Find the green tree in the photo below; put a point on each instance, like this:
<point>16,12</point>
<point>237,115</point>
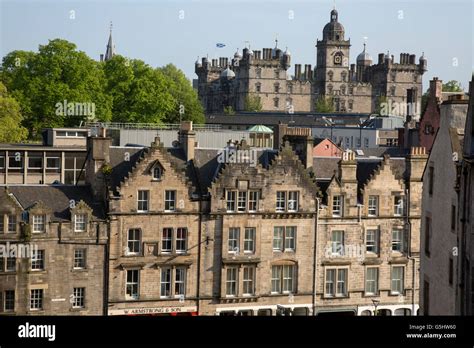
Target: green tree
<point>57,73</point>
<point>229,110</point>
<point>187,103</point>
<point>324,105</point>
<point>139,92</point>
<point>11,130</point>
<point>381,106</point>
<point>252,103</point>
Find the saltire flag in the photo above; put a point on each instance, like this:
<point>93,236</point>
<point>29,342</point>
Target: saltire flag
<point>220,45</point>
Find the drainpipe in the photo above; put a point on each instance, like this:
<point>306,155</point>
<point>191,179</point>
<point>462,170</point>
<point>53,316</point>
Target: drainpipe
<point>410,257</point>
<point>198,288</point>
<point>318,202</point>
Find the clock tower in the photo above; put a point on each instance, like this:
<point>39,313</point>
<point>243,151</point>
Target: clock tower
<point>332,74</point>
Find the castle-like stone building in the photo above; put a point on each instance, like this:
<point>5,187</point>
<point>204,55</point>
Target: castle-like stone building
<point>360,87</point>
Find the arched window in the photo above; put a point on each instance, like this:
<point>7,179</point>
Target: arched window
<point>330,75</point>
<point>366,313</point>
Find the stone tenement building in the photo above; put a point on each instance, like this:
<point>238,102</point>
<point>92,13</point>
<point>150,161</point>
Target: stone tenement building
<point>356,87</point>
<point>447,234</point>
<point>56,240</point>
<point>195,231</point>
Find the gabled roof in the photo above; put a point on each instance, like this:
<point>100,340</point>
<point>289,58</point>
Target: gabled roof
<point>57,198</point>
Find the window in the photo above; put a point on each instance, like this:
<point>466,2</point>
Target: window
<point>280,201</point>
<point>231,281</point>
<point>453,217</point>
<point>80,222</point>
<point>78,299</point>
<point>337,242</point>
<point>278,238</point>
<point>290,237</point>
<point>337,206</point>
<point>35,162</point>
<point>242,201</point>
<point>9,302</point>
<point>276,102</point>
<point>165,282</point>
<point>336,282</point>
<point>37,260</point>
<point>427,236</point>
<point>283,279</point>
<point>451,271</point>
<point>133,277</point>
<point>426,297</point>
<point>372,241</point>
<point>373,205</point>
<point>249,240</point>
<point>372,281</point>
<point>231,195</point>
<point>234,238</point>
<point>366,142</point>
<point>248,281</point>
<point>181,237</point>
<point>11,264</point>
<point>398,206</point>
<point>293,201</point>
<point>52,164</point>
<point>38,223</point>
<point>79,258</point>
<point>253,201</point>
<point>397,280</point>
<point>397,240</point>
<point>36,299</point>
<point>430,180</point>
<point>277,74</point>
<point>157,173</point>
<point>2,226</point>
<point>143,200</point>
<point>167,240</point>
<point>170,200</point>
<point>11,223</point>
<point>133,241</point>
<point>277,87</point>
<point>258,73</point>
<point>15,162</point>
<point>180,282</point>
<point>258,87</point>
<point>284,238</point>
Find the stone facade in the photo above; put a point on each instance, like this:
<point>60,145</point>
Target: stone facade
<point>356,87</point>
<point>439,240</point>
<point>61,269</point>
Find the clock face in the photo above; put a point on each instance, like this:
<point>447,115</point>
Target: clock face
<point>338,59</point>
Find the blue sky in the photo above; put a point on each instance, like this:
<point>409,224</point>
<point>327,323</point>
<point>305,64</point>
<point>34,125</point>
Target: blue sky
<point>160,32</point>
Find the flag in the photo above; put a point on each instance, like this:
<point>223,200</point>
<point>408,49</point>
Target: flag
<point>220,45</point>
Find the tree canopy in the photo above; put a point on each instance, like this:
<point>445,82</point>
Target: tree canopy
<point>324,105</point>
<point>61,86</point>
<point>11,130</point>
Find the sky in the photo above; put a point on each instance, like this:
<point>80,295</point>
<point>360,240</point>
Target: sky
<point>164,31</point>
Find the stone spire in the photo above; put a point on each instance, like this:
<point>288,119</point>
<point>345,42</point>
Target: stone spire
<point>110,52</point>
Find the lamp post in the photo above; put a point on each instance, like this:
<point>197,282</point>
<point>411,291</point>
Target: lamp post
<point>376,303</point>
<point>328,122</point>
<point>363,124</point>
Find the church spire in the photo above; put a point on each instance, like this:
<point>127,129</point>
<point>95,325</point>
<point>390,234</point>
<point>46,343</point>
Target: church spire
<point>110,52</point>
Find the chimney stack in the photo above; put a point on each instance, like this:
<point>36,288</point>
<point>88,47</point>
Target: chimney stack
<point>381,58</point>
<point>297,71</point>
<point>348,167</point>
<point>187,139</point>
<point>436,88</point>
<point>98,148</point>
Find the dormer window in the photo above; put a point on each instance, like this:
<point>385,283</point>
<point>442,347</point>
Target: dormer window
<point>39,223</point>
<point>80,222</point>
<point>157,172</point>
